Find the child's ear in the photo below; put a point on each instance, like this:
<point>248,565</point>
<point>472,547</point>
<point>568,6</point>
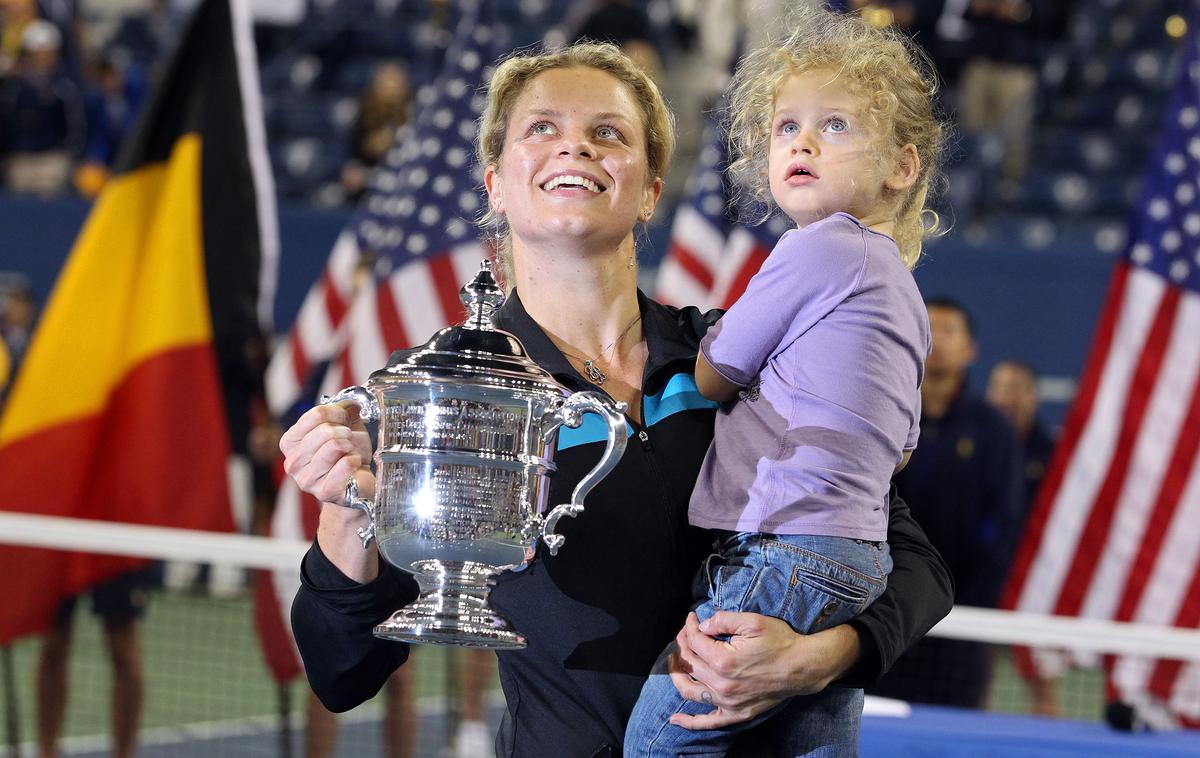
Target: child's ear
<point>907,169</point>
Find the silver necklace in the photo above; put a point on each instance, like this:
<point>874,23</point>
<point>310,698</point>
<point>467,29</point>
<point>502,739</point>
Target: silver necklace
<point>592,365</point>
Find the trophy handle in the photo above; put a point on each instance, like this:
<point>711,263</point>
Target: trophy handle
<point>571,413</point>
<point>368,410</point>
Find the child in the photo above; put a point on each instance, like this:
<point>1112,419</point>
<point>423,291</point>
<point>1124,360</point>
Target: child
<point>822,360</point>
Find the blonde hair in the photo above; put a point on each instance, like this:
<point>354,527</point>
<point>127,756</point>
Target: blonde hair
<point>883,67</point>
<point>510,80</point>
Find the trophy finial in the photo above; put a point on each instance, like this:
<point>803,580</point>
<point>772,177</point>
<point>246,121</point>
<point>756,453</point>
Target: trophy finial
<point>482,296</point>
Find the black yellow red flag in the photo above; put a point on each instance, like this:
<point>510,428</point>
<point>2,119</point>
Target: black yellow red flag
<point>133,387</point>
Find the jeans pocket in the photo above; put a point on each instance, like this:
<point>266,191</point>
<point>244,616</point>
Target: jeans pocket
<point>822,591</point>
<point>733,585</point>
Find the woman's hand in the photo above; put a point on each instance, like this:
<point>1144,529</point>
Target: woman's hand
<point>322,450</point>
<point>762,663</point>
<point>325,446</point>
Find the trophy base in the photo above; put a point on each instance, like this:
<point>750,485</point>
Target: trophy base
<point>452,610</point>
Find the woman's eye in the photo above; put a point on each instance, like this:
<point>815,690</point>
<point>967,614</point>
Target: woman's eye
<point>541,127</point>
<point>608,132</point>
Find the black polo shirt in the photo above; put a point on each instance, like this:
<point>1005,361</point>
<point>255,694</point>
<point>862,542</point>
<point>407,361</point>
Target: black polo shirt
<point>598,614</point>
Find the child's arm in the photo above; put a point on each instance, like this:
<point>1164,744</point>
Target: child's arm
<point>711,384</point>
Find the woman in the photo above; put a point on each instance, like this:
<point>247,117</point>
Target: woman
<point>574,145</point>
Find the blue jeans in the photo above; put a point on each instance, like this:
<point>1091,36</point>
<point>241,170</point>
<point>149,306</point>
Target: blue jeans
<point>810,582</point>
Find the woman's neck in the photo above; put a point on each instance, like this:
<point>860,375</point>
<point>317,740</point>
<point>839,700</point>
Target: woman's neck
<point>583,301</point>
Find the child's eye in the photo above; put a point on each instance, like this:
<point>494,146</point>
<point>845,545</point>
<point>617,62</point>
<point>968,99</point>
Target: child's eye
<point>789,127</point>
<point>608,132</point>
<point>837,125</point>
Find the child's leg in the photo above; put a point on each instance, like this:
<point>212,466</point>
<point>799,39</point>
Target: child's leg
<point>822,725</point>
<point>817,583</point>
<point>729,577</point>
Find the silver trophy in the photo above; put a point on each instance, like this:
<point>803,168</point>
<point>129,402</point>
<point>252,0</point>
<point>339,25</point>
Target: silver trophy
<point>468,426</point>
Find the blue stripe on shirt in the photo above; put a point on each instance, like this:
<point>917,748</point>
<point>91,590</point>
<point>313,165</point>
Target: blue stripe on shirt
<point>679,395</point>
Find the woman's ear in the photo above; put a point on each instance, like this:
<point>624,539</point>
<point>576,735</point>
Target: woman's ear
<point>491,184</point>
<point>906,170</point>
<point>650,199</point>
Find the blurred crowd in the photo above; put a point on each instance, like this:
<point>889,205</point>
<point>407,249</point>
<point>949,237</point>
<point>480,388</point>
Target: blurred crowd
<point>73,74</point>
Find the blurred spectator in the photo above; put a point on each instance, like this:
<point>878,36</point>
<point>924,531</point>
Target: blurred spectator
<point>382,109</point>
<point>627,26</point>
<point>400,722</point>
<point>963,484</point>
<point>15,15</point>
<point>1012,390</point>
<point>120,604</point>
<point>5,369</point>
<point>474,739</point>
<point>17,311</point>
<point>41,116</point>
<point>111,101</point>
<point>998,88</point>
<point>144,38</point>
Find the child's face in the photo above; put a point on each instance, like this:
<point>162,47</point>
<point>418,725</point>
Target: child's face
<point>823,156</point>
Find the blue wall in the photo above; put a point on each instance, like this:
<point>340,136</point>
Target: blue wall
<point>1039,307</point>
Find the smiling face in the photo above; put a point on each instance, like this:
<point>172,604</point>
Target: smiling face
<point>573,166</point>
<point>824,158</point>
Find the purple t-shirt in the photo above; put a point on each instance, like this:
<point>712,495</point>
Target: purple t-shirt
<point>830,340</point>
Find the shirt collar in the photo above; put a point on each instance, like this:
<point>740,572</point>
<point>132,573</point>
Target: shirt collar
<point>668,341</point>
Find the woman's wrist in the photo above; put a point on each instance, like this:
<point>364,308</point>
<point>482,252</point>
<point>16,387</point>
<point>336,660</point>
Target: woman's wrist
<point>824,657</point>
<point>338,537</point>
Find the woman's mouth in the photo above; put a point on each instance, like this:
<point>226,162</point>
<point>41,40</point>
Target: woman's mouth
<point>572,181</point>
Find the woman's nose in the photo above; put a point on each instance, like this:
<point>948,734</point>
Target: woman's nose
<point>577,144</point>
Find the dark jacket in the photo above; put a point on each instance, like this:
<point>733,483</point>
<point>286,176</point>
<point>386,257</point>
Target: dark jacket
<point>598,614</point>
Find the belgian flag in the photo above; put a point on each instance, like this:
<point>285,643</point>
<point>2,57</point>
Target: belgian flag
<point>134,387</point>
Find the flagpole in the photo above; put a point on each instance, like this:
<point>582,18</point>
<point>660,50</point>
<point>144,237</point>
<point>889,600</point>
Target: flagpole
<point>11,723</point>
<point>283,697</point>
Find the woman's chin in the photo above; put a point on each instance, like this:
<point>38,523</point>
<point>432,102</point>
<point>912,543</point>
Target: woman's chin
<point>577,232</point>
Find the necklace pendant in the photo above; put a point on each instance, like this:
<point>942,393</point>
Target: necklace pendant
<point>594,373</point>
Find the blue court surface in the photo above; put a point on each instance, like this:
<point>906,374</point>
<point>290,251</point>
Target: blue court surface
<point>929,731</point>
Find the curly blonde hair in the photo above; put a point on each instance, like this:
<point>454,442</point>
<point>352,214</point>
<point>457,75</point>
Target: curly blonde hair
<point>881,66</point>
<point>518,70</point>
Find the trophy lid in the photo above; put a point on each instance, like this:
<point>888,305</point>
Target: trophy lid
<point>473,351</point>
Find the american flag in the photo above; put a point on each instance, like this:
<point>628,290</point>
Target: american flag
<point>1113,534</point>
<point>711,256</point>
<point>415,229</point>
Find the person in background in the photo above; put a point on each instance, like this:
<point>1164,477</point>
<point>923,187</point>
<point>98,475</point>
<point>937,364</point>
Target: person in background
<point>15,15</point>
<point>1012,390</point>
<point>997,90</point>
<point>120,604</point>
<point>42,124</point>
<point>383,107</point>
<point>111,101</point>
<point>627,26</point>
<point>964,482</point>
<point>17,312</point>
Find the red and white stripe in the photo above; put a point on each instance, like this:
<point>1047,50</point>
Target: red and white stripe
<point>688,273</point>
<point>403,310</point>
<point>1114,532</point>
<point>743,257</point>
<point>314,336</point>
